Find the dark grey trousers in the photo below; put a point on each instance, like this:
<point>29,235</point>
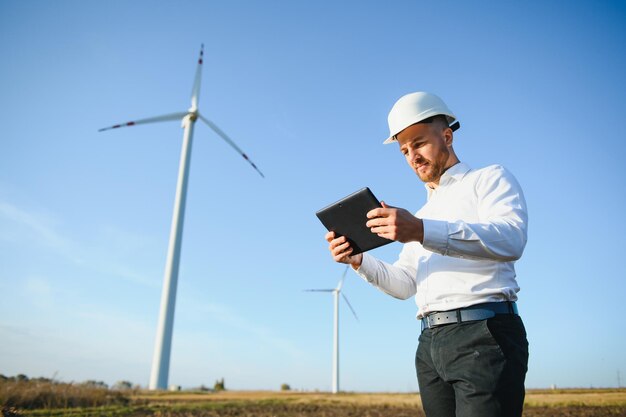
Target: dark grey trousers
<point>473,369</point>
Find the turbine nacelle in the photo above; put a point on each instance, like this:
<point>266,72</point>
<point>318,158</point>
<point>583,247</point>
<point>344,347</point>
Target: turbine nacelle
<point>337,290</point>
<point>191,116</point>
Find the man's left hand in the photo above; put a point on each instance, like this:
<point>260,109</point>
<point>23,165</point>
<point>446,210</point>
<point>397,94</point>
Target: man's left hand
<point>395,224</point>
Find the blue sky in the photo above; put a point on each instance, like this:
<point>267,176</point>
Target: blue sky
<point>304,89</point>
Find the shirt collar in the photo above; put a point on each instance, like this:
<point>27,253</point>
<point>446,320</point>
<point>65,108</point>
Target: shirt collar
<point>453,174</point>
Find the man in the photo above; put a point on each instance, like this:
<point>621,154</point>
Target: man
<point>458,261</point>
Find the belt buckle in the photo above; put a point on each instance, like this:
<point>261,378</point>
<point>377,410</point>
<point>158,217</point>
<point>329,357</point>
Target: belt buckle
<point>426,322</point>
<point>437,319</point>
<point>431,320</point>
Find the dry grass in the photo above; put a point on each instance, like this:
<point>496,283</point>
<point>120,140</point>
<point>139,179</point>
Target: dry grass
<point>51,395</point>
<point>292,397</point>
<point>534,398</point>
<point>576,397</point>
<point>20,398</point>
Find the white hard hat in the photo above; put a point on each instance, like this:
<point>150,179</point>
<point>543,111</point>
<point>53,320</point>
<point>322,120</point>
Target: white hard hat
<point>414,108</point>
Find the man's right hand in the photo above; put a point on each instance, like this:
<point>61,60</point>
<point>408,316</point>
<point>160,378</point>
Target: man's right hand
<point>340,250</point>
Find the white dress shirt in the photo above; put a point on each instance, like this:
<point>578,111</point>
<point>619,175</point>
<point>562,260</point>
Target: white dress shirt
<point>475,225</point>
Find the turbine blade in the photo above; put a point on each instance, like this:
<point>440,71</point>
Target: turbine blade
<point>195,91</point>
<point>229,141</point>
<point>343,277</point>
<point>164,118</point>
<point>319,290</point>
<point>351,309</point>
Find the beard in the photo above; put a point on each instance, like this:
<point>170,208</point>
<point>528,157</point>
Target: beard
<point>431,171</point>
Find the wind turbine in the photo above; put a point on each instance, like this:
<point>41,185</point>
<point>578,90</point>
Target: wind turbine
<point>163,343</point>
<point>336,291</point>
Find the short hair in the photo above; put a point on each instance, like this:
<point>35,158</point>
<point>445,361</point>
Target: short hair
<point>439,119</point>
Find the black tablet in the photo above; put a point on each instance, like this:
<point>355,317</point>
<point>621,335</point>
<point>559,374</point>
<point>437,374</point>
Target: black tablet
<point>347,217</point>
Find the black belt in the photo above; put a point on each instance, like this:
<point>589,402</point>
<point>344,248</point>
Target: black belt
<point>472,313</point>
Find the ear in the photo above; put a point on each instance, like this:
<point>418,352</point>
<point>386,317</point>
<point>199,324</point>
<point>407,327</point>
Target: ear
<point>448,137</point>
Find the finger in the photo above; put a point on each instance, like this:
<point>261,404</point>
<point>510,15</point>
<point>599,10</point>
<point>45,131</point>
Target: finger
<point>343,257</point>
<point>339,249</point>
<point>378,221</point>
<point>329,236</point>
<point>381,221</point>
<point>379,230</point>
<point>388,234</point>
<point>387,206</point>
<point>342,254</point>
<point>335,243</point>
<point>377,212</point>
<point>383,233</point>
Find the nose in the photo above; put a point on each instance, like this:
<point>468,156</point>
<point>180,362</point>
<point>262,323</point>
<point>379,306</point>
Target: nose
<point>413,156</point>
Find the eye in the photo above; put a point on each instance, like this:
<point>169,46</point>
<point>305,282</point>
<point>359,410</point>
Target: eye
<point>418,144</point>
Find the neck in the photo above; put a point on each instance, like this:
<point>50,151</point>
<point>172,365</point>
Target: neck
<point>452,161</point>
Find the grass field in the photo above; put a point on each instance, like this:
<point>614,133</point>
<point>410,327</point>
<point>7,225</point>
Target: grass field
<point>81,402</point>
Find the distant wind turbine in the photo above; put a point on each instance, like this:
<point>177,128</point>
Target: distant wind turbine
<point>336,291</point>
<point>163,344</point>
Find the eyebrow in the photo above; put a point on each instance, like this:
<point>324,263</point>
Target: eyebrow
<point>417,138</point>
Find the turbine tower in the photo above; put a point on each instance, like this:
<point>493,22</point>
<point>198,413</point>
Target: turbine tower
<point>336,291</point>
<point>163,343</point>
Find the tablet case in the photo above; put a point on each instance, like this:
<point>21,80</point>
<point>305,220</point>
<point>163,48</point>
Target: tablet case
<point>347,217</point>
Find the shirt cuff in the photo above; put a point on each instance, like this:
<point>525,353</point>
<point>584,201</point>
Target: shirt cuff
<point>435,236</point>
<point>368,267</point>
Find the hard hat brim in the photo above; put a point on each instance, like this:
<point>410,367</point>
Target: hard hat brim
<point>391,139</point>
